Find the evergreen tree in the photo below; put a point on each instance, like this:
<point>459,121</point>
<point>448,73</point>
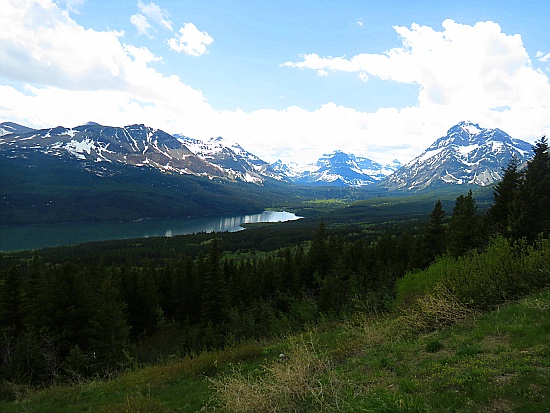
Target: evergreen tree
<point>215,297</point>
<point>464,226</point>
<point>505,213</point>
<point>109,331</point>
<point>319,258</point>
<point>536,193</point>
<point>11,316</point>
<point>434,238</point>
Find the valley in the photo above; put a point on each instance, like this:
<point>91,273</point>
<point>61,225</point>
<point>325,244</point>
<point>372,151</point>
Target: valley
<point>408,262</point>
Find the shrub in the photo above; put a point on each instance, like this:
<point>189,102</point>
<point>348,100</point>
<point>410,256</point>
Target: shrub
<point>506,271</point>
<point>303,378</point>
<point>436,309</point>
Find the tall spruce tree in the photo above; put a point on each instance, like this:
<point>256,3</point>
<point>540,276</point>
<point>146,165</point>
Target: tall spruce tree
<point>215,295</point>
<point>505,213</point>
<point>536,192</point>
<point>434,240</point>
<point>464,226</point>
<point>109,331</point>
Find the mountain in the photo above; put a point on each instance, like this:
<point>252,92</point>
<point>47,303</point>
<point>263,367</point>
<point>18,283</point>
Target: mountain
<point>97,146</point>
<point>337,169</point>
<point>467,155</point>
<point>9,127</point>
<point>236,162</point>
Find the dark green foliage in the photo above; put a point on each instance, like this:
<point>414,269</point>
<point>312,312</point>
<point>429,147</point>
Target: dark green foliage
<point>505,213</point>
<point>536,192</point>
<point>109,331</point>
<point>464,226</point>
<point>214,297</point>
<point>521,199</point>
<point>434,346</point>
<point>92,309</point>
<point>434,239</point>
<point>505,271</point>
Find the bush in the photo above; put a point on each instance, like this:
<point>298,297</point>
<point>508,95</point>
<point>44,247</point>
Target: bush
<point>436,309</point>
<point>303,378</point>
<point>506,271</point>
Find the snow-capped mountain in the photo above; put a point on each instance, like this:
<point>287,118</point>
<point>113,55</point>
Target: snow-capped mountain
<point>467,154</point>
<point>238,163</point>
<point>97,146</point>
<point>338,169</point>
<point>9,127</point>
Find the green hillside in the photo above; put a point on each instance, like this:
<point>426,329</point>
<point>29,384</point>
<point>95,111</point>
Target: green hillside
<point>495,361</point>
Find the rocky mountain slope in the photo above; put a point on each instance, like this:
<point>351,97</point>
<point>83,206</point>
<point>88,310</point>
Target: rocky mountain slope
<point>467,155</point>
<point>337,169</point>
<point>238,163</point>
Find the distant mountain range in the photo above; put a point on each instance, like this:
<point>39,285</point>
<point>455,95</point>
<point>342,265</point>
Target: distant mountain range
<point>337,169</point>
<point>467,155</point>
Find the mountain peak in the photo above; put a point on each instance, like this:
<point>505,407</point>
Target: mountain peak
<point>468,127</point>
<point>468,154</point>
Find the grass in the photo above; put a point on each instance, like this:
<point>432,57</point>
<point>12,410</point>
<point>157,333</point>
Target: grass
<point>492,362</point>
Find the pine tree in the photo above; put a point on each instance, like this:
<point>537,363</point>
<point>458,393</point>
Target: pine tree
<point>536,193</point>
<point>109,331</point>
<point>215,298</point>
<point>505,213</point>
<point>464,226</point>
<point>319,257</point>
<point>434,238</point>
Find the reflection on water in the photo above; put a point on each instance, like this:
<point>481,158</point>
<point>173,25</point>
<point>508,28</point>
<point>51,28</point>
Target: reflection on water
<point>38,236</point>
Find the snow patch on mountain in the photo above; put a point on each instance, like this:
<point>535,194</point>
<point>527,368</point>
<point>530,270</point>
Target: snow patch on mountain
<point>467,154</point>
<point>337,169</point>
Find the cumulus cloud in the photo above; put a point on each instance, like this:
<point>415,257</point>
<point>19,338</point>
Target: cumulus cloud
<point>190,40</point>
<point>73,5</point>
<point>55,72</point>
<point>156,14</point>
<point>462,71</point>
<point>73,74</point>
<point>150,12</point>
<point>141,23</point>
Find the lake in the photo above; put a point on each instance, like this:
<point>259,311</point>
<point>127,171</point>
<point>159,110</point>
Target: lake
<point>26,237</point>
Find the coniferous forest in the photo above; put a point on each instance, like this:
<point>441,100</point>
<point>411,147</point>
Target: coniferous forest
<point>93,310</point>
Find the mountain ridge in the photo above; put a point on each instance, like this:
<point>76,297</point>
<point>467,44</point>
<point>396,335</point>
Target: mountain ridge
<point>467,155</point>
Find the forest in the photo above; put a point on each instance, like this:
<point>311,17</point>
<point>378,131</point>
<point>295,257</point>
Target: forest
<point>93,310</point>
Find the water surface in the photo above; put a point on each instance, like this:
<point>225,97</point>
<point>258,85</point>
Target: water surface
<point>25,237</point>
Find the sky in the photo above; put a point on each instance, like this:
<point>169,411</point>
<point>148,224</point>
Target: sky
<point>286,79</point>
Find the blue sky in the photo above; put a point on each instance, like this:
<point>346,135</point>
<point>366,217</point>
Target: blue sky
<point>285,79</point>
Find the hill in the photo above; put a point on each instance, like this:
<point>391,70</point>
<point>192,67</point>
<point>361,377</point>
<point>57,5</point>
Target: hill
<point>495,362</point>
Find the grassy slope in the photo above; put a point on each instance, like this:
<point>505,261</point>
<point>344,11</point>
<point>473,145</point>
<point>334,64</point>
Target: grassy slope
<point>495,362</point>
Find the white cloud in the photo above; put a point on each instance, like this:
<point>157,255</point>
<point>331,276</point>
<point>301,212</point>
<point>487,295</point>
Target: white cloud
<point>191,40</point>
<point>462,72</point>
<point>55,72</point>
<point>75,75</point>
<point>150,13</point>
<point>156,14</point>
<point>73,5</point>
<point>543,57</point>
<point>141,23</point>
